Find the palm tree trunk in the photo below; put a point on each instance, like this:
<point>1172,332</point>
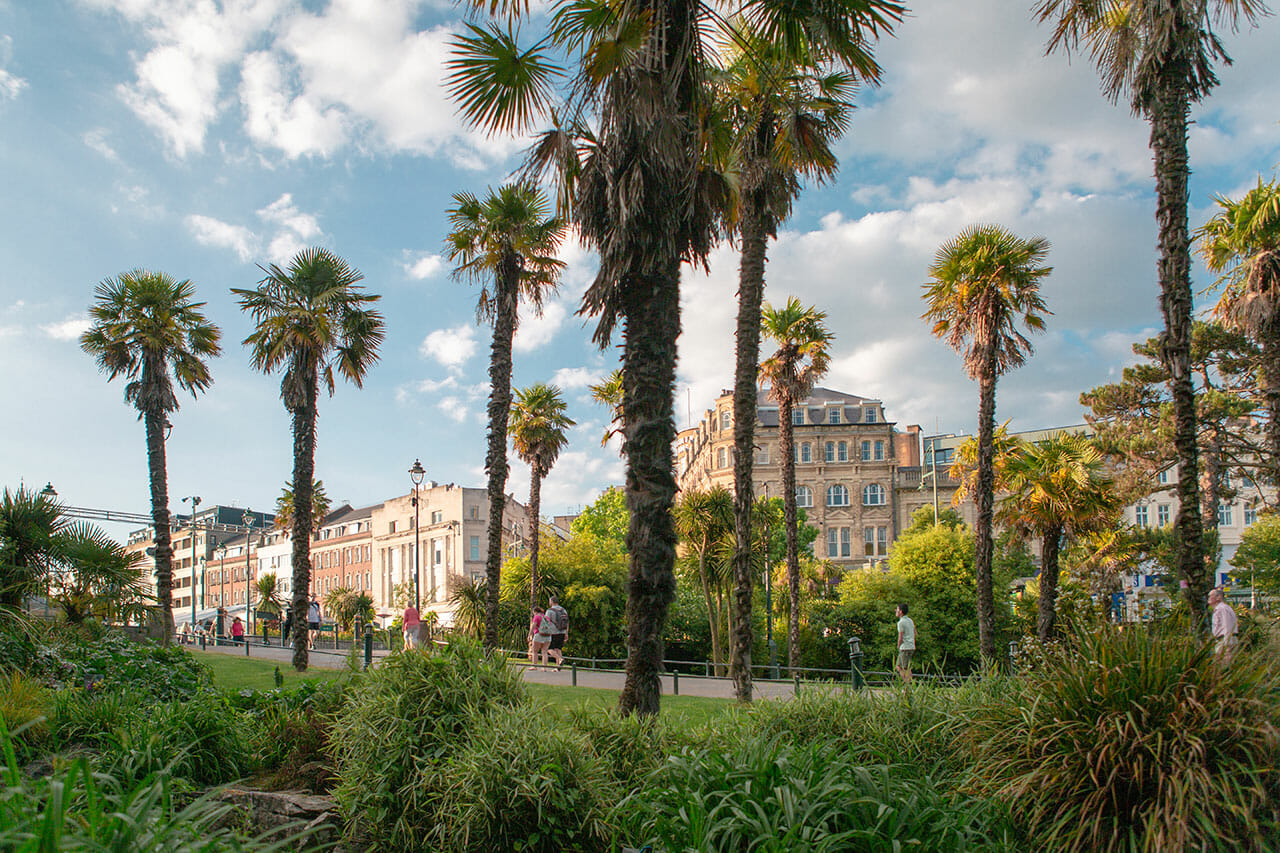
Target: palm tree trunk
<point>713,613</point>
<point>750,296</point>
<point>1271,394</point>
<point>156,467</point>
<point>1047,617</point>
<point>304,466</point>
<point>786,449</point>
<point>983,545</point>
<point>1169,145</point>
<point>495,460</point>
<point>652,318</point>
<point>535,505</point>
<point>1211,482</point>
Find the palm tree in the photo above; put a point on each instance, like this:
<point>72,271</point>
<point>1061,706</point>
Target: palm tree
<point>642,198</point>
<point>313,321</point>
<point>470,608</point>
<point>320,505</point>
<point>608,392</point>
<point>147,328</point>
<point>983,284</point>
<point>268,593</point>
<point>31,524</point>
<point>1242,244</point>
<point>507,243</point>
<point>538,424</point>
<point>703,519</point>
<point>801,359</point>
<point>97,575</point>
<point>1161,53</point>
<point>1056,487</point>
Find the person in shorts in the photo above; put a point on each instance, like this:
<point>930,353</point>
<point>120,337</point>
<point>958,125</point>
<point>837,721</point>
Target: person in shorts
<point>906,643</point>
<point>313,622</point>
<point>555,626</point>
<point>537,641</point>
<point>412,625</point>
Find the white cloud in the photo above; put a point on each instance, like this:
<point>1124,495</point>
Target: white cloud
<point>10,83</point>
<point>96,140</point>
<point>454,408</point>
<point>538,330</point>
<point>451,347</point>
<point>69,329</point>
<point>298,126</point>
<point>570,378</point>
<point>420,265</point>
<point>223,235</point>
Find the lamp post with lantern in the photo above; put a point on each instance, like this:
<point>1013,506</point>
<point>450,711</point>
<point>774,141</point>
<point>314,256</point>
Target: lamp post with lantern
<point>416,473</point>
<point>195,502</point>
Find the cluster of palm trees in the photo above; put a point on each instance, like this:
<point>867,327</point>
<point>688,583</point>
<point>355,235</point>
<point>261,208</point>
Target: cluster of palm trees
<point>313,323</point>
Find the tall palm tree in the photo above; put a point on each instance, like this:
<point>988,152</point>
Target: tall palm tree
<point>804,350</point>
<point>320,505</point>
<point>984,283</point>
<point>1242,244</point>
<point>1053,488</point>
<point>147,328</point>
<point>641,197</point>
<point>538,424</point>
<point>313,321</point>
<point>703,519</point>
<point>507,243</point>
<point>1160,53</point>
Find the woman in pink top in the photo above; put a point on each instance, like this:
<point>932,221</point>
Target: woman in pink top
<point>537,642</point>
<point>411,627</point>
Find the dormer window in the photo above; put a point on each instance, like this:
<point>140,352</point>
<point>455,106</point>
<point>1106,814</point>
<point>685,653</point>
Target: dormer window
<point>833,416</point>
<point>869,415</point>
<point>797,417</point>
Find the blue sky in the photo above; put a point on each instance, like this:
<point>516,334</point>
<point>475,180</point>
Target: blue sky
<point>202,138</point>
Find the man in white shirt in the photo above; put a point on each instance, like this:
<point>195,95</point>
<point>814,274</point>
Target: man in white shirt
<point>906,643</point>
<point>1225,625</point>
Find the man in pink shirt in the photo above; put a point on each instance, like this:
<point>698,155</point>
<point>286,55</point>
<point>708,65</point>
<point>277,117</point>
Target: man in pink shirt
<point>1225,625</point>
<point>412,625</point>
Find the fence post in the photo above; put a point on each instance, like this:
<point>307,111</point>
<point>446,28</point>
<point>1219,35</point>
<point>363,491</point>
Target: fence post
<point>247,638</point>
<point>573,670</point>
<point>368,646</point>
<point>795,689</point>
<point>675,682</point>
<point>855,663</point>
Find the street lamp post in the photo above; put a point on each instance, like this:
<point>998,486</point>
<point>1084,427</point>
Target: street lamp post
<point>768,594</point>
<point>416,473</point>
<point>222,590</point>
<point>195,502</point>
<point>248,537</point>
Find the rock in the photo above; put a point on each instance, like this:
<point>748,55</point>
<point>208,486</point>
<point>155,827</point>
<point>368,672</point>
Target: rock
<point>285,812</point>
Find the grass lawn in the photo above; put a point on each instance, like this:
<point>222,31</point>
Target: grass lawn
<point>232,672</point>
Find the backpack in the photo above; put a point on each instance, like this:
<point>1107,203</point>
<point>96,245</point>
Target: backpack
<point>559,619</point>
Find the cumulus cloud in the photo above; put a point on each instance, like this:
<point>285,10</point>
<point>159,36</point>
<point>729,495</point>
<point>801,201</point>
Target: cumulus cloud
<point>209,231</point>
<point>69,329</point>
<point>571,378</point>
<point>10,84</point>
<point>450,347</point>
<point>420,265</point>
<point>288,231</point>
<point>538,330</point>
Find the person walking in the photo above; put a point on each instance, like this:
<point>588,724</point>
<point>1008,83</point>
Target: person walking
<point>537,640</point>
<point>1225,625</point>
<point>237,631</point>
<point>313,622</point>
<point>412,626</point>
<point>906,643</point>
<point>555,625</point>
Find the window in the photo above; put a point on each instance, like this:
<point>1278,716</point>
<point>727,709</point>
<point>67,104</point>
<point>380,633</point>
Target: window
<point>875,541</point>
<point>1140,516</point>
<point>391,527</point>
<point>804,496</point>
<point>838,542</point>
<point>437,517</point>
<point>831,451</point>
<point>762,454</point>
<point>879,451</point>
<point>475,548</point>
<point>368,580</point>
<point>805,454</point>
<point>869,415</point>
<point>866,451</point>
<point>722,458</point>
<point>1162,515</point>
<point>1250,514</point>
<point>797,417</point>
<point>1163,477</point>
<point>1226,479</point>
<point>475,512</point>
<point>837,495</point>
<point>873,495</point>
<point>1224,515</point>
<point>833,416</point>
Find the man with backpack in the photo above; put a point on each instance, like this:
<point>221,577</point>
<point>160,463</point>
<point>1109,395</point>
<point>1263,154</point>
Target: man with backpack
<point>555,622</point>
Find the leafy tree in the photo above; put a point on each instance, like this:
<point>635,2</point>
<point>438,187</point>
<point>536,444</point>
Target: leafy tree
<point>312,320</point>
<point>1161,54</point>
<point>1257,560</point>
<point>346,605</point>
<point>983,284</point>
<point>538,425</point>
<point>1242,242</point>
<point>1056,488</point>
<point>801,359</point>
<point>507,244</point>
<point>147,328</point>
<point>30,526</point>
<point>320,505</point>
<point>606,518</point>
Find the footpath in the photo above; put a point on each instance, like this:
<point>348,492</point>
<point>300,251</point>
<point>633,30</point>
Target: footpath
<point>683,685</point>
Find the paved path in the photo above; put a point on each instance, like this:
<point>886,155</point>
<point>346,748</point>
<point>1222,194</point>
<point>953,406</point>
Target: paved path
<point>688,685</point>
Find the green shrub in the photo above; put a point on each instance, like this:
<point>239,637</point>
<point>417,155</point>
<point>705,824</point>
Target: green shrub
<point>112,662</point>
<point>766,797</point>
<point>89,717</point>
<point>203,740</point>
<point>1137,740</point>
<point>24,706</point>
<point>522,782</point>
<point>630,748</point>
<point>400,724</point>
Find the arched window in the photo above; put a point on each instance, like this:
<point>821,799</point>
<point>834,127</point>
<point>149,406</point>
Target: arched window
<point>831,451</point>
<point>804,496</point>
<point>837,495</point>
<point>722,458</point>
<point>873,495</point>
